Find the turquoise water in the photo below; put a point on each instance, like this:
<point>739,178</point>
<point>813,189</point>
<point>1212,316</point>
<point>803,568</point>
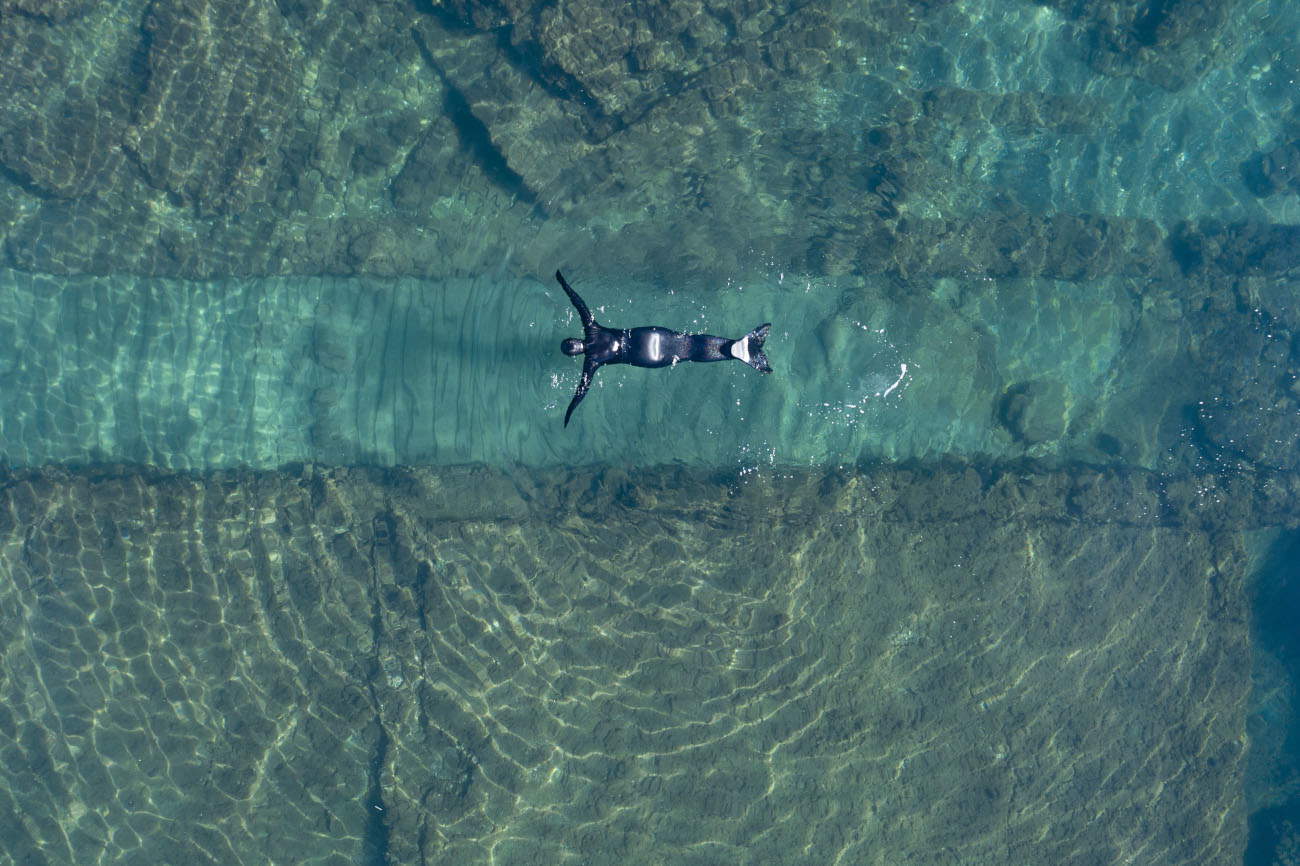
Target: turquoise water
<point>299,564</point>
<point>268,372</point>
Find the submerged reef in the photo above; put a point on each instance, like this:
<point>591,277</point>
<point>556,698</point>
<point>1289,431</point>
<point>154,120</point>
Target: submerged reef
<point>1168,42</point>
<point>235,138</point>
<point>465,664</point>
<point>1275,171</point>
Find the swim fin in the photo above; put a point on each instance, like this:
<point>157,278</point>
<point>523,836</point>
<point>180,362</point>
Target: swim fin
<point>749,348</point>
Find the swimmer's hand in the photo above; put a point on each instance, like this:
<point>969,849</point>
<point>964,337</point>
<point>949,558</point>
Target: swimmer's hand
<point>583,313</point>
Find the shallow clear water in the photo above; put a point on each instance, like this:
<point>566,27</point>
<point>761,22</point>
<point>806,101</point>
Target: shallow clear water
<point>299,563</point>
<point>268,372</point>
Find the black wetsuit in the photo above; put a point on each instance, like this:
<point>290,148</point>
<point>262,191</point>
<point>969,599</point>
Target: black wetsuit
<point>651,347</point>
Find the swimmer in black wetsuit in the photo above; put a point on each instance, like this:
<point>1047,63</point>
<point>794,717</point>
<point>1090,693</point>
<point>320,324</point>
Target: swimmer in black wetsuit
<point>651,347</point>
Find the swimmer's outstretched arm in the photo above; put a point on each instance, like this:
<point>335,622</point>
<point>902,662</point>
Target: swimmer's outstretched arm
<point>583,312</point>
<point>588,372</point>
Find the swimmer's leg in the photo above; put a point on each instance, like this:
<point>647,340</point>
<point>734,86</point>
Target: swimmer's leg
<point>749,348</point>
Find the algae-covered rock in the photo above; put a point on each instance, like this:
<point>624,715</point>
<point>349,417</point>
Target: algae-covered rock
<point>428,662</point>
<point>1035,412</point>
<point>222,84</point>
<point>1275,171</point>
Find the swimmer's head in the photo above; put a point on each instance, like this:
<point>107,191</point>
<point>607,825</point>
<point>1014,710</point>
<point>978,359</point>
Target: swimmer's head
<point>572,347</point>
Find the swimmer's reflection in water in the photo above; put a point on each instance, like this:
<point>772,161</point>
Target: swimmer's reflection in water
<point>651,347</point>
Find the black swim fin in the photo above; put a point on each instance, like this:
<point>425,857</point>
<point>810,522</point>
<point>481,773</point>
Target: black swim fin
<point>749,348</point>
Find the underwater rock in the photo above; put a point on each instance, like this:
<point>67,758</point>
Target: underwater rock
<point>429,171</point>
<point>613,61</point>
<point>1245,248</point>
<point>1035,412</point>
<point>62,115</point>
<point>517,136</point>
<point>374,251</point>
<point>1018,112</point>
<point>1275,171</point>
<point>278,642</point>
<point>1265,432</point>
<point>1248,353</point>
<point>54,11</point>
<point>1170,43</point>
<point>1012,242</point>
<point>66,152</point>
<point>222,84</point>
<point>230,136</point>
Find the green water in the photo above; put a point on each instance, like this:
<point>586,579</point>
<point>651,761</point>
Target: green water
<point>298,563</point>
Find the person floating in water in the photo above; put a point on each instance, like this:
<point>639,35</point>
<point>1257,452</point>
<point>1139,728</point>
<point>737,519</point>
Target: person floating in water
<point>650,347</point>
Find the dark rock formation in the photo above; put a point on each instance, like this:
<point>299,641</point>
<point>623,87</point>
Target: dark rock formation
<point>1167,42</point>
<point>47,10</point>
<point>1246,249</point>
<point>1034,412</point>
<point>65,153</point>
<point>1275,171</point>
